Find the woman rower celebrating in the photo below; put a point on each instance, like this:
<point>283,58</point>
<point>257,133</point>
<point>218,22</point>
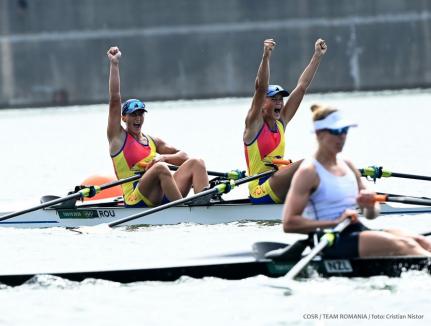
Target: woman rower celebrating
<point>266,122</point>
<point>326,189</point>
<point>131,151</point>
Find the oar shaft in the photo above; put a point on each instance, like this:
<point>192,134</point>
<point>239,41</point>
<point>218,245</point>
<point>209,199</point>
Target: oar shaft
<point>121,181</point>
<point>403,200</point>
<point>68,197</point>
<point>324,241</point>
<point>215,190</point>
<point>162,207</point>
<point>377,172</point>
<point>44,205</point>
<point>254,177</point>
<point>410,176</point>
<point>209,172</point>
<point>295,270</point>
<point>398,195</point>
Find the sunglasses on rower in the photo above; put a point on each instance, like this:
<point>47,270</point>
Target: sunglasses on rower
<point>133,104</point>
<point>338,131</point>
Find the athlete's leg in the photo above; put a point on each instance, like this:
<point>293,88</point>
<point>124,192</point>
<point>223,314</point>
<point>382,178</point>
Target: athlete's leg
<point>158,182</point>
<point>280,180</point>
<point>192,173</point>
<point>381,243</point>
<point>424,242</point>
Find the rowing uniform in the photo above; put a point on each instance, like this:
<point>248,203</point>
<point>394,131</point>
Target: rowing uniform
<point>130,159</point>
<point>331,198</point>
<point>268,145</point>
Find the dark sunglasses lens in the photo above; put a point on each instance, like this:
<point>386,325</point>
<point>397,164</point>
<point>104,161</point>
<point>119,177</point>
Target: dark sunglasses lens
<point>338,132</point>
<point>136,104</point>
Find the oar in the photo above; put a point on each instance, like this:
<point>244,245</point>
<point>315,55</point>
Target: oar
<point>326,240</point>
<point>278,161</point>
<point>377,172</point>
<point>402,199</point>
<point>218,189</point>
<point>89,191</point>
<point>231,175</point>
<point>398,195</point>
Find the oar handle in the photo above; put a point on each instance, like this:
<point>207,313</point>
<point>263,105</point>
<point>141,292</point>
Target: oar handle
<point>278,161</point>
<point>381,198</point>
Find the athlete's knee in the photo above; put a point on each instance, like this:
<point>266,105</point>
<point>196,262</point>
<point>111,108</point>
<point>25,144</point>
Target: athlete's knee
<point>422,239</point>
<point>405,246</point>
<point>161,168</point>
<point>196,163</point>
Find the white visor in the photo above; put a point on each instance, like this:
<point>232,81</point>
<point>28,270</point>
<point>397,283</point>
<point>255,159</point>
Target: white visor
<point>333,121</point>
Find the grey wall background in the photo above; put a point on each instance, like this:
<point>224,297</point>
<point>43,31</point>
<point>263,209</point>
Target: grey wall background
<point>54,51</point>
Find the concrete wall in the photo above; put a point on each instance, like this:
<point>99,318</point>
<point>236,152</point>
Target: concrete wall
<point>54,51</point>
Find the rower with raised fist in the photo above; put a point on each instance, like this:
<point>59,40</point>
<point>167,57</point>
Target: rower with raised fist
<point>132,150</point>
<point>266,122</point>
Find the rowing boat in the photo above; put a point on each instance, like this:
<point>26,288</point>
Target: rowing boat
<point>215,212</point>
<point>235,268</point>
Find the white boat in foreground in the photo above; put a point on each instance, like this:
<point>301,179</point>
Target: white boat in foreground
<point>94,213</point>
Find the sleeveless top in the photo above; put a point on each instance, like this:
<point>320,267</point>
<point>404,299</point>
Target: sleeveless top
<point>334,194</point>
<point>267,145</point>
<point>130,159</point>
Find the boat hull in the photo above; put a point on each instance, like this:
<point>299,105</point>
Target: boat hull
<point>223,212</point>
<point>389,266</point>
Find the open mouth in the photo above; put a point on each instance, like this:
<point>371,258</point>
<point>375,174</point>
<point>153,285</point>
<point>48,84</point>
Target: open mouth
<point>277,111</point>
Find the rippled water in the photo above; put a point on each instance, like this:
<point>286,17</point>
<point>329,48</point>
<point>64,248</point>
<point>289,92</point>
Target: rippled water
<point>48,151</point>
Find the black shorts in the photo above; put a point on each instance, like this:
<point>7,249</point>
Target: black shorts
<point>346,244</point>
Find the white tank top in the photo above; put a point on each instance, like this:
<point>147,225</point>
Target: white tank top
<point>334,194</point>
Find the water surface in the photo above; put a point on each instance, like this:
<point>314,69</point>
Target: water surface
<point>50,150</point>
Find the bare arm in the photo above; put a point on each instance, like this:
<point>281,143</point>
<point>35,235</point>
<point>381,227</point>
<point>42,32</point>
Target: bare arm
<point>370,208</point>
<point>168,153</point>
<point>254,120</point>
<point>295,98</point>
<point>114,118</point>
<point>304,180</point>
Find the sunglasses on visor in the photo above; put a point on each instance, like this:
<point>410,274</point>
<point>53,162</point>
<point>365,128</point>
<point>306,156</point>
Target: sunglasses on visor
<point>132,105</point>
<point>338,131</point>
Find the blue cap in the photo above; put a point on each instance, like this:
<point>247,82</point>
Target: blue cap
<point>131,106</point>
<point>276,89</point>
